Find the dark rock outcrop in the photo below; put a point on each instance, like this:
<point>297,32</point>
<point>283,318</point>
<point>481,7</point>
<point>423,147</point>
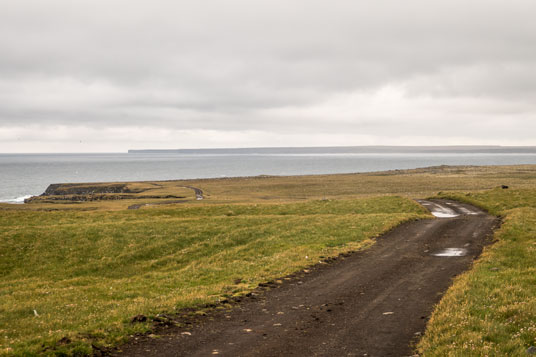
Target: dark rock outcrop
<point>62,189</point>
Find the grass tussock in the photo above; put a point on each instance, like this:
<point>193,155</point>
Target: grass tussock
<point>491,310</point>
<point>81,276</point>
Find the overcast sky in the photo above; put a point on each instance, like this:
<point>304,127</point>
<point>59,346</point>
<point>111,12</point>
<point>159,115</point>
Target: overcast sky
<point>108,76</point>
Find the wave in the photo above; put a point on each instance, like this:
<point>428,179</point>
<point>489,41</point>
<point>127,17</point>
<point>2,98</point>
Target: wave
<point>17,200</point>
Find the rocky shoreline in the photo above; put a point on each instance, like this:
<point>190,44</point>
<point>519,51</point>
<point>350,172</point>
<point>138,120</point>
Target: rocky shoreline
<point>58,189</point>
<point>83,192</point>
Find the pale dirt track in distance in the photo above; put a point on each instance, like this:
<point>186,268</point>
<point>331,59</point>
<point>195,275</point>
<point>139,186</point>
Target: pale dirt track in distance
<point>374,302</point>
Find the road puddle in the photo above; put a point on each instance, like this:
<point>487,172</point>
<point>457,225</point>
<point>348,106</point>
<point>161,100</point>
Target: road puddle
<point>451,252</point>
<point>438,210</point>
<point>443,211</point>
<point>444,214</point>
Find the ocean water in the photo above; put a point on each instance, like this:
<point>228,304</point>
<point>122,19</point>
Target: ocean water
<point>24,175</point>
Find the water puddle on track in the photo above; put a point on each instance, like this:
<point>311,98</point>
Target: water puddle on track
<point>438,210</point>
<point>451,252</point>
<point>443,214</point>
<point>443,211</point>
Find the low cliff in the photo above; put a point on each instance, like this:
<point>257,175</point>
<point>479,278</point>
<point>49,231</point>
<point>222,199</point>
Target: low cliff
<point>62,189</point>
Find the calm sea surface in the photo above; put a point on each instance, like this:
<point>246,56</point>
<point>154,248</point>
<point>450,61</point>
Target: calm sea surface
<point>23,175</point>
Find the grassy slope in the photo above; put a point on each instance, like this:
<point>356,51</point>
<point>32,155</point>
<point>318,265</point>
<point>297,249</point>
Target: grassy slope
<point>491,310</point>
<point>88,273</point>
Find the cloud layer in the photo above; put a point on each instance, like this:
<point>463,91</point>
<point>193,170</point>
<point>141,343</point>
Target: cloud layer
<point>109,76</point>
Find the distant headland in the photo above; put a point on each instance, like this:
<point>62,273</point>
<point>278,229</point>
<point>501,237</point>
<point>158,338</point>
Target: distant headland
<point>491,149</point>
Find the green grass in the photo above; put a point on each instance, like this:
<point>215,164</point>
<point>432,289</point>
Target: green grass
<point>86,274</point>
<point>491,310</point>
<point>87,268</point>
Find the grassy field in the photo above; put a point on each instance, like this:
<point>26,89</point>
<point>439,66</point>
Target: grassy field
<point>491,310</point>
<point>86,274</point>
<point>282,189</point>
<point>74,273</point>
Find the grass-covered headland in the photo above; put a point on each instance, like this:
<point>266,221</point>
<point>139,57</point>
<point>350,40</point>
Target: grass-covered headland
<point>79,277</point>
<point>73,272</point>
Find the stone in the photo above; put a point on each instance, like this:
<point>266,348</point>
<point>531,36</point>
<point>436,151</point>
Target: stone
<point>138,318</point>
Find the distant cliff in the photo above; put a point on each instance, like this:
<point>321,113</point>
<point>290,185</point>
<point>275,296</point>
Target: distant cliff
<point>61,189</point>
<point>468,149</point>
<point>82,192</point>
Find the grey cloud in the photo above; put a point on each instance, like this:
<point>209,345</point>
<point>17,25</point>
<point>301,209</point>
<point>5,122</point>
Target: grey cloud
<point>225,65</point>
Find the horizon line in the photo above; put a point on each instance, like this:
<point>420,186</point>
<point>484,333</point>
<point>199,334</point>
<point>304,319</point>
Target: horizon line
<point>280,147</point>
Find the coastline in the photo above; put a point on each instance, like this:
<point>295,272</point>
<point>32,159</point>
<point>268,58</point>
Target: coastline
<point>27,174</point>
<point>418,183</point>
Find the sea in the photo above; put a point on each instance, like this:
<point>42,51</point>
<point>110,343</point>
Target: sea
<point>26,175</point>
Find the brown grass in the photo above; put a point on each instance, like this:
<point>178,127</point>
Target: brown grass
<point>415,183</point>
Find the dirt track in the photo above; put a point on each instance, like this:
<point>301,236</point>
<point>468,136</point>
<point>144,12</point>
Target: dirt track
<point>370,303</point>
